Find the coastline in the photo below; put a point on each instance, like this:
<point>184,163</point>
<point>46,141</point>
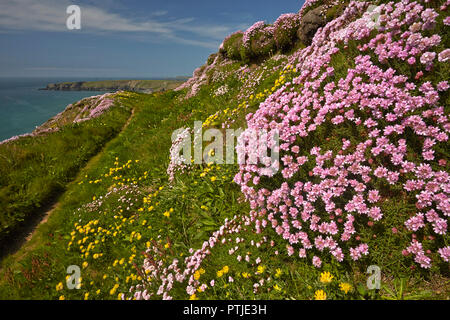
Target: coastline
<point>145,86</point>
<point>93,87</point>
<point>46,127</point>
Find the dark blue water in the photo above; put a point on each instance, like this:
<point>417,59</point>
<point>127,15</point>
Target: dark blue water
<point>23,106</point>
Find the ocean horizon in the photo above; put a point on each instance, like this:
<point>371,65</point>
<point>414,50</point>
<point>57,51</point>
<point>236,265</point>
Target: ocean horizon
<point>24,107</point>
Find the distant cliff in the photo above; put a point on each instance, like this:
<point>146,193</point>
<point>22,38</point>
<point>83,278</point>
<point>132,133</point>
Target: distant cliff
<point>116,85</point>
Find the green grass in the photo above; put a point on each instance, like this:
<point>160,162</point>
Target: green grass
<point>122,202</point>
<point>35,170</point>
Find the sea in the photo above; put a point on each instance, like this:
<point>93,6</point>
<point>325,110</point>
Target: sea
<point>23,106</point>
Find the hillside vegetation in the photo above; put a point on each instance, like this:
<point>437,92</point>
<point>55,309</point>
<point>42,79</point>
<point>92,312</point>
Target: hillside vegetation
<point>147,86</point>
<point>358,92</point>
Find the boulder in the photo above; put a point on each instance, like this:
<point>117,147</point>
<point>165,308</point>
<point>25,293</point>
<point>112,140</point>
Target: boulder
<point>310,22</point>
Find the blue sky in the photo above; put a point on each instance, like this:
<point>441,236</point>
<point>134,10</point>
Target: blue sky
<point>122,38</point>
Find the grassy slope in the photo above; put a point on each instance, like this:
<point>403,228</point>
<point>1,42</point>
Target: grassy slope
<point>200,201</point>
<point>33,171</point>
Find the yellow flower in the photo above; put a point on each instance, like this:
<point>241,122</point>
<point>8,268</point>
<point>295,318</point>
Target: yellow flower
<point>219,273</point>
<point>225,269</point>
<point>326,277</point>
<point>278,273</point>
<point>213,179</point>
<point>261,269</point>
<point>59,286</point>
<point>166,214</point>
<point>84,265</point>
<point>197,275</point>
<point>245,275</point>
<point>113,290</point>
<point>86,296</point>
<point>320,295</point>
<point>346,287</point>
<point>276,287</point>
<point>62,298</point>
<point>193,297</point>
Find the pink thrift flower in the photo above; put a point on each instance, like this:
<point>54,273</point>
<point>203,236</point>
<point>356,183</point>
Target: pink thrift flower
<point>412,60</point>
<point>427,58</point>
<point>445,253</point>
<point>444,55</point>
<point>316,262</point>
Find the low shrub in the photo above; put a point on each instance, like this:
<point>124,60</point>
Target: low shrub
<point>258,41</point>
<point>232,44</point>
<point>285,30</point>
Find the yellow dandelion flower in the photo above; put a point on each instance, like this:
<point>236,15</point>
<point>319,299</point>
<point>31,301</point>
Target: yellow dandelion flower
<point>346,287</point>
<point>278,273</point>
<point>261,269</point>
<point>320,295</point>
<point>326,277</point>
<point>59,286</point>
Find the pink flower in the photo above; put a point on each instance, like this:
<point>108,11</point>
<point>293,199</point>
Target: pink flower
<point>445,253</point>
<point>427,58</point>
<point>443,86</point>
<point>316,262</point>
<point>444,55</point>
<point>374,196</point>
<point>415,223</point>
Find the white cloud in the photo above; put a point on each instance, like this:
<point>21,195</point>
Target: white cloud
<point>50,15</point>
<point>159,13</point>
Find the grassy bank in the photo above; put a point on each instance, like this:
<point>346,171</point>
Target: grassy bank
<point>134,234</point>
<point>35,170</point>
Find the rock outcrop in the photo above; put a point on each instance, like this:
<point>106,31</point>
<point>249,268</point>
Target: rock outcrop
<point>310,23</point>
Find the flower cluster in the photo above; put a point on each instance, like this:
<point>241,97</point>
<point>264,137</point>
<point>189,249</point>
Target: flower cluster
<point>286,27</point>
<point>385,105</point>
<point>178,162</point>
